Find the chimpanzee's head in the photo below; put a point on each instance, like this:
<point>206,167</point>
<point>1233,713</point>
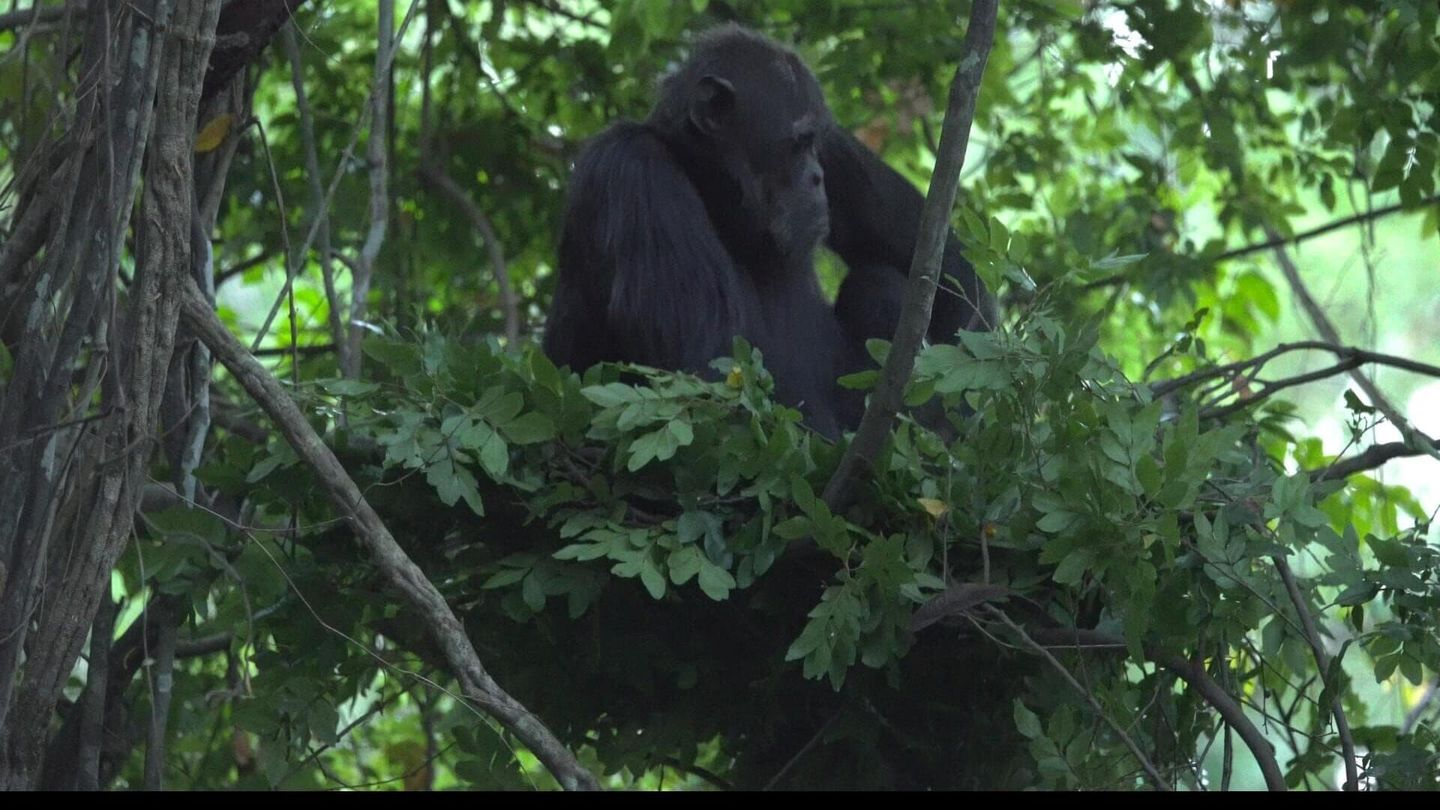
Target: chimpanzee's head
<point>747,118</point>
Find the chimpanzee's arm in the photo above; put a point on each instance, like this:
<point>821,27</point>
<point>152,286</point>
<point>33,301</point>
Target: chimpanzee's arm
<point>643,277</point>
<point>874,221</point>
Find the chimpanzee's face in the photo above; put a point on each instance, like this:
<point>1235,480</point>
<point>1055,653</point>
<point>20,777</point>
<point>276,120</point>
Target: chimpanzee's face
<point>768,118</point>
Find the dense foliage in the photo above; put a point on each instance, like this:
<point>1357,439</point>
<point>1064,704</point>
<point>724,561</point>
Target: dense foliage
<point>1123,534</point>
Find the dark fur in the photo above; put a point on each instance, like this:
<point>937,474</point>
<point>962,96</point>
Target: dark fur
<point>694,227</point>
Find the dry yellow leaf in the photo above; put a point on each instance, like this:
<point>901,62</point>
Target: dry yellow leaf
<point>213,133</point>
<point>936,508</point>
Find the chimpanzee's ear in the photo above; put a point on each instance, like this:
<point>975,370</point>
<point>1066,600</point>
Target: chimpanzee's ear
<point>712,100</point>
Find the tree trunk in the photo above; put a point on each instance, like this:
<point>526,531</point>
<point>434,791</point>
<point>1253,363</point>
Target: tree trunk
<point>78,416</point>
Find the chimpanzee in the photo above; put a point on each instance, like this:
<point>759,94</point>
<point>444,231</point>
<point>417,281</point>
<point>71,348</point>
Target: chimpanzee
<point>701,223</point>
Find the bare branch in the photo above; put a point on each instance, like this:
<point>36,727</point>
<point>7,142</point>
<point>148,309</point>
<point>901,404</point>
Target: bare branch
<point>209,645</point>
<point>879,416</point>
<point>241,266</point>
<point>92,700</point>
<point>307,350</point>
<point>1193,673</point>
<point>1328,331</point>
<point>1274,240</point>
<point>799,755</point>
<point>27,235</point>
<point>1246,371</point>
<point>375,538</point>
<point>1370,459</point>
<point>38,14</point>
<point>160,668</point>
<point>558,10</point>
<point>242,33</point>
<point>228,417</point>
<point>320,213</point>
<point>439,180</point>
<point>1250,366</point>
<point>375,157</point>
<point>1412,718</point>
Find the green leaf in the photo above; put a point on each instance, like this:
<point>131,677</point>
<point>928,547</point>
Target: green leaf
<point>1391,168</point>
<point>1057,521</point>
<point>793,528</point>
<point>1026,722</point>
<point>533,592</point>
<point>583,551</point>
<point>531,428</point>
<point>1357,594</point>
<point>610,395</point>
<point>1073,567</point>
<point>324,722</point>
<point>692,526</point>
<point>1385,666</point>
<point>644,450</point>
<point>402,358</point>
<point>282,457</point>
<point>509,576</point>
<point>715,581</point>
<point>504,408</point>
<point>495,456</point>
<point>860,380</point>
<point>651,577</point>
<point>1389,552</point>
<point>452,483</point>
<point>1115,262</point>
<point>1147,472</point>
<point>682,432</point>
<point>804,496</point>
<point>684,564</point>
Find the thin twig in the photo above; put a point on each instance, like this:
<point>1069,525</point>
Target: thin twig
<point>695,770</point>
<point>1322,660</point>
<point>1194,674</point>
<point>442,182</point>
<point>321,214</point>
<point>1154,773</point>
<point>1269,388</point>
<point>1327,330</point>
<point>799,755</point>
<point>345,156</point>
<point>1249,365</point>
<point>1274,240</point>
<point>293,261</point>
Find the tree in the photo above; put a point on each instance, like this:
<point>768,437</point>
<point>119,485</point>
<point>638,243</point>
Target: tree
<point>389,543</point>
